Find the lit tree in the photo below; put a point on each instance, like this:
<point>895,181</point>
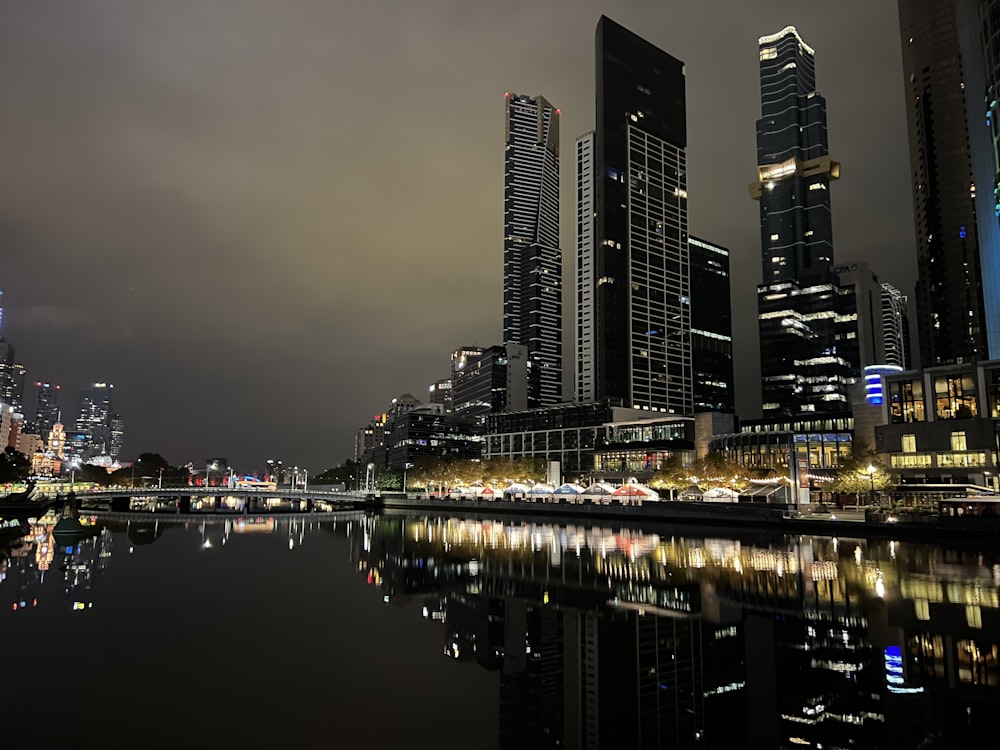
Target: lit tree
<point>863,473</point>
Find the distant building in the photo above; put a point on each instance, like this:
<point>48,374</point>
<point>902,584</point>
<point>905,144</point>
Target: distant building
<point>94,417</point>
<point>633,302</point>
<point>532,259</point>
<point>895,328</point>
<point>46,408</point>
<point>427,432</point>
<point>439,392</point>
<point>117,422</point>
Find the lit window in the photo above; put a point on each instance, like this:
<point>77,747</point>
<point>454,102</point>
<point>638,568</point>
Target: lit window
<point>958,441</point>
<point>768,53</point>
<point>909,443</point>
<point>774,236</point>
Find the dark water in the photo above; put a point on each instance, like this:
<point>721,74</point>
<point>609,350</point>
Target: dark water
<point>409,631</point>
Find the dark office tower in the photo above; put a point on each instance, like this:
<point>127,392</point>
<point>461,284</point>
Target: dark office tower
<point>794,169</point>
<point>46,409</point>
<point>951,113</point>
<point>634,311</point>
<point>532,260</point>
<point>711,327</point>
<point>801,367</point>
<point>95,417</point>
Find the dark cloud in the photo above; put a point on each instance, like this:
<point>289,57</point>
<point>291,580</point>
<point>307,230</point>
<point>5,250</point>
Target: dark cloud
<point>263,220</point>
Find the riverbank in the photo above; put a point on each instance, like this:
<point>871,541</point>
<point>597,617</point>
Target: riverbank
<point>725,516</point>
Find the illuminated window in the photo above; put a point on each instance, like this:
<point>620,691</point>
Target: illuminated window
<point>774,236</point>
<point>958,441</point>
<point>909,443</point>
<point>768,53</point>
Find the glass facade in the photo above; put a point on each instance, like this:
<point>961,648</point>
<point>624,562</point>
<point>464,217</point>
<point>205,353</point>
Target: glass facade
<point>906,401</point>
<point>955,397</point>
<point>532,278</point>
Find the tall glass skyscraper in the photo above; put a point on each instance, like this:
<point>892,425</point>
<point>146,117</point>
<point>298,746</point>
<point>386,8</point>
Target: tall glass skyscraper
<point>46,409</point>
<point>532,260</point>
<point>794,168</point>
<point>950,68</point>
<point>711,327</point>
<point>94,418</point>
<point>801,367</point>
<point>634,312</point>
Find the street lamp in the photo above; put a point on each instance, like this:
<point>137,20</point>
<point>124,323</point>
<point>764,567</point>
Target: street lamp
<point>295,475</point>
<point>160,483</point>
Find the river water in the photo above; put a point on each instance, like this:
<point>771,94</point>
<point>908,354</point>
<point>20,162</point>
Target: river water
<point>432,631</point>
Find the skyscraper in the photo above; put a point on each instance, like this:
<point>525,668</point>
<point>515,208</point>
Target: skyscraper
<point>952,126</point>
<point>532,260</point>
<point>711,327</point>
<point>94,417</point>
<point>634,315</point>
<point>794,168</point>
<point>802,369</point>
<point>895,328</point>
<point>46,408</point>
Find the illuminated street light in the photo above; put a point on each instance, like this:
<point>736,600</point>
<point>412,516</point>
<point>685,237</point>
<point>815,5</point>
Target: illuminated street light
<point>871,477</point>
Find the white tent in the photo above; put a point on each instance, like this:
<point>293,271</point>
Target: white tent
<point>516,491</point>
<point>540,492</point>
<point>570,492</point>
<point>598,492</point>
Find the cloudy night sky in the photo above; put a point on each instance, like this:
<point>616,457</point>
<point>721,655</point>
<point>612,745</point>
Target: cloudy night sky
<point>263,220</point>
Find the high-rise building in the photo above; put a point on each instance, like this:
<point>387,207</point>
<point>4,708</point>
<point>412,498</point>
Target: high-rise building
<point>634,313</point>
<point>895,328</point>
<point>46,408</point>
<point>117,441</point>
<point>951,79</point>
<point>489,382</point>
<point>711,327</point>
<point>11,377</point>
<point>95,417</point>
<point>439,392</point>
<point>794,168</point>
<point>532,260</point>
<point>802,368</point>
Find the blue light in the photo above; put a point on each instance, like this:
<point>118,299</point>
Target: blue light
<point>961,232</point>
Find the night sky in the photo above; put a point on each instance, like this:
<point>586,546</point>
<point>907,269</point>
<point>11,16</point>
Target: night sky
<point>263,220</point>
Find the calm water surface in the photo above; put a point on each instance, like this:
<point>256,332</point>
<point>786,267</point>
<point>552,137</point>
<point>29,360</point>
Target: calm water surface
<point>413,631</point>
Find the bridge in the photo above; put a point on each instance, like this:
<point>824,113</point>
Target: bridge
<point>248,500</point>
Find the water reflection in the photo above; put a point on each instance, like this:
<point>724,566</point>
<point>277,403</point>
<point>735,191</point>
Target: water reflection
<point>605,637</point>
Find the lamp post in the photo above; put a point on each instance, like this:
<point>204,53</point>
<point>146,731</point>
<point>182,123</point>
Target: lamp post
<point>871,478</point>
<point>295,476</point>
<point>160,483</point>
<point>305,479</point>
<point>405,467</point>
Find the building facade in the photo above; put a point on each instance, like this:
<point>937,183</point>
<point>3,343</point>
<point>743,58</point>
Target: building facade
<point>634,315</point>
<point>711,327</point>
<point>941,424</point>
<point>953,162</point>
<point>532,259</point>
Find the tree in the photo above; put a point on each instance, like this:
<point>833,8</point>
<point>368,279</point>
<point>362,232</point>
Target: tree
<point>863,473</point>
<point>672,475</point>
<point>14,466</point>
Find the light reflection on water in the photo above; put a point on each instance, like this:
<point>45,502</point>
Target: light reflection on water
<point>554,635</point>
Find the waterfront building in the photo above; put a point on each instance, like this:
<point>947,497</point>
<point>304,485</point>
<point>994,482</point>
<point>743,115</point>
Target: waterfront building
<point>532,259</point>
<point>711,327</point>
<point>940,424</point>
<point>633,299</point>
<point>94,418</point>
<point>46,407</point>
<point>425,431</point>
<point>594,440</point>
<point>951,113</point>
<point>11,377</point>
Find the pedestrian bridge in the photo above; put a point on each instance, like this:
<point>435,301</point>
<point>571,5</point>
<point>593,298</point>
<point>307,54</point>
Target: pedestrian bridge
<point>249,499</point>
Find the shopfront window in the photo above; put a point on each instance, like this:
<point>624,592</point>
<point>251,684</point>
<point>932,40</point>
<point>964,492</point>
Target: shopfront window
<point>955,397</point>
<point>906,401</point>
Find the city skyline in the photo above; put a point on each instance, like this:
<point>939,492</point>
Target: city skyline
<point>259,238</point>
